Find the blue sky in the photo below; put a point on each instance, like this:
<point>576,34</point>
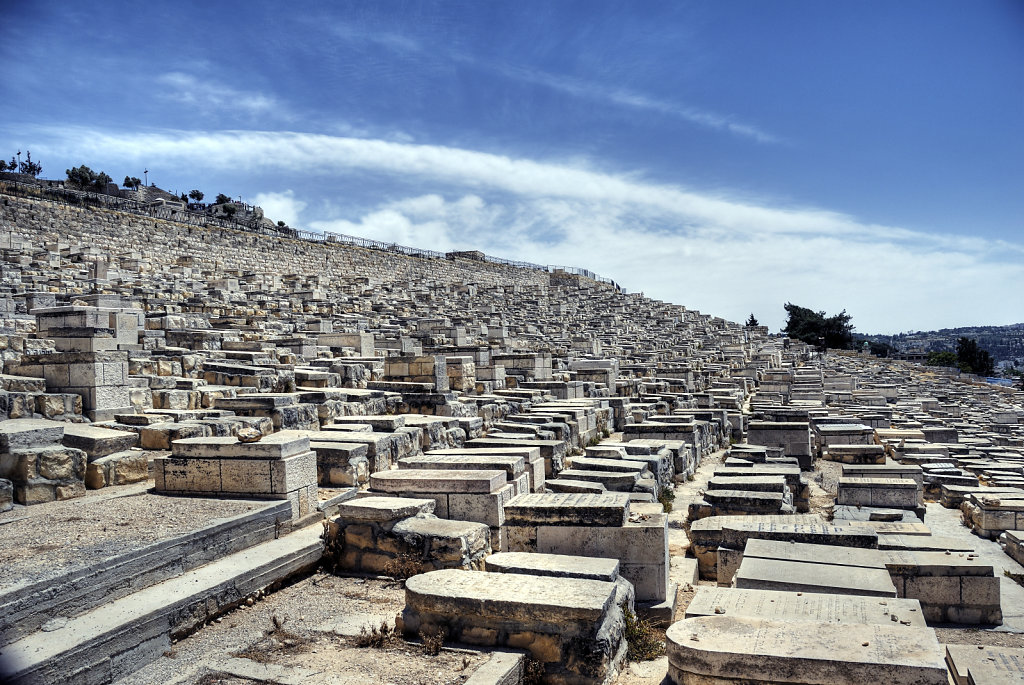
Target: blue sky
<point>728,156</point>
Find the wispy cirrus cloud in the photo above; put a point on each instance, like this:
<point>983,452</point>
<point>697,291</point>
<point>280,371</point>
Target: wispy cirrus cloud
<point>212,97</point>
<point>626,98</point>
<point>578,88</point>
<point>711,251</point>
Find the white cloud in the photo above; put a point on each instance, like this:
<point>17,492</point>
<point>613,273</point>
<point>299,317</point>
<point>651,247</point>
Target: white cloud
<point>211,97</point>
<point>633,100</point>
<point>722,255</point>
<point>281,207</point>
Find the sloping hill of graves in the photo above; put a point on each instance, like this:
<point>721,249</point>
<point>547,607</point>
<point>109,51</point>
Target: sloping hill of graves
<point>205,428</point>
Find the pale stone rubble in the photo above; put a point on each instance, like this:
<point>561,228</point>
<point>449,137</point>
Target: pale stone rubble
<point>447,419</point>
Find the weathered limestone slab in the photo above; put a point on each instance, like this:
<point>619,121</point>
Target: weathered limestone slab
<point>795,480</point>
<point>554,565</point>
<point>854,454</point>
<point>279,466</point>
<point>552,451</point>
<point>709,535</point>
<point>617,481</point>
<point>1013,544</point>
<point>531,455</point>
<point>722,649</point>
<point>119,468</point>
<point>773,574</point>
<point>512,465</point>
<point>341,463</point>
<point>572,626</point>
<point>990,515</point>
<point>381,538</point>
<point>885,470</point>
<point>45,473</point>
<point>438,480</point>
<point>367,509</point>
<point>641,548</point>
<point>576,486</point>
<point>6,495</point>
<point>853,557</point>
<point>804,606</point>
<point>276,446</point>
<point>568,509</point>
<point>878,492</point>
<point>96,441</point>
<point>985,665</point>
<point>952,588</point>
<point>28,433</point>
<point>793,437</point>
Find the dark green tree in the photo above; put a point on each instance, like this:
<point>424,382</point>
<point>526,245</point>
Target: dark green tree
<point>222,199</point>
<point>944,358</point>
<point>29,167</point>
<point>752,321</point>
<point>81,176</point>
<point>815,328</point>
<point>196,195</point>
<point>972,359</point>
<point>101,181</point>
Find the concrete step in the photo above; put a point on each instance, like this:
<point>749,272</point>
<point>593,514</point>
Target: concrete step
<point>26,608</point>
<point>119,637</point>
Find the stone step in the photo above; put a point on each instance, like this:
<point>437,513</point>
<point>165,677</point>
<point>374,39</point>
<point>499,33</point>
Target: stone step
<point>119,637</point>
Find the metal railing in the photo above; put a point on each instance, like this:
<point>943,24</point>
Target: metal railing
<point>46,190</point>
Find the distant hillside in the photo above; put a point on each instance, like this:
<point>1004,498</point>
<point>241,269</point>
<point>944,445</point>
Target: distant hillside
<point>1004,343</point>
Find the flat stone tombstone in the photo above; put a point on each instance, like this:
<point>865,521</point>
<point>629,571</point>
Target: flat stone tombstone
<point>438,480</point>
<point>984,665</point>
<point>384,508</point>
<point>507,596</point>
<point>553,565</point>
<point>772,574</point>
<point>857,557</point>
<point>512,465</point>
<point>726,650</point>
<point>568,509</point>
<point>27,433</point>
<point>276,446</point>
<point>804,606</point>
<point>572,626</point>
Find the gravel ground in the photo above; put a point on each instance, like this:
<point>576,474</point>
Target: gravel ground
<point>46,540</point>
<point>310,625</point>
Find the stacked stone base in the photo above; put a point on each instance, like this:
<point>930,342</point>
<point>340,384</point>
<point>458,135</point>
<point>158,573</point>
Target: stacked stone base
<point>399,536</point>
<point>279,467</point>
<point>39,467</point>
<point>571,626</point>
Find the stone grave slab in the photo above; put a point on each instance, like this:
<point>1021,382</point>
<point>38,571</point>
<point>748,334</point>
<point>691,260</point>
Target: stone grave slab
<point>985,665</point>
<point>804,606</point>
<point>796,576</point>
<point>724,649</point>
<point>549,617</point>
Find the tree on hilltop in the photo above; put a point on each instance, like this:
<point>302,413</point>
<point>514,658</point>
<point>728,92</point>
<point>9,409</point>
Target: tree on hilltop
<point>222,199</point>
<point>29,167</point>
<point>84,177</point>
<point>196,195</point>
<point>752,321</point>
<point>815,328</point>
